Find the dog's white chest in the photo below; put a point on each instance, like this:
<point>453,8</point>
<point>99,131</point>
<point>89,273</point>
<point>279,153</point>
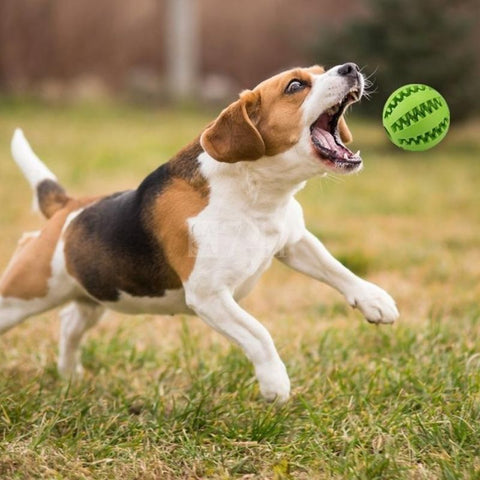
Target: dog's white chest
<point>242,228</point>
<point>234,250</point>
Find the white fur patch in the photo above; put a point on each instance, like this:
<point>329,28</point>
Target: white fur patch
<point>34,170</point>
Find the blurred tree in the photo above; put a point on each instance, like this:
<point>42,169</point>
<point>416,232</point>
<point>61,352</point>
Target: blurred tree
<point>410,41</point>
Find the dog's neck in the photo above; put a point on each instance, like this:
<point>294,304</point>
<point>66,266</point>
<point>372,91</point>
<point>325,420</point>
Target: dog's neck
<point>255,185</point>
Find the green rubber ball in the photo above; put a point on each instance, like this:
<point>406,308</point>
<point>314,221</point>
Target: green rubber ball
<point>416,117</point>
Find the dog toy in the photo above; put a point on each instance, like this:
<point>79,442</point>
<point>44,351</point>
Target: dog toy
<point>416,117</point>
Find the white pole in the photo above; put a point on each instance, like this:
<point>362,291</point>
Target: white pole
<point>182,48</point>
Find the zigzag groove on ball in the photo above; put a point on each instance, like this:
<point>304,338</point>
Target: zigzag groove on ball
<point>406,92</point>
<point>419,111</point>
<point>426,137</point>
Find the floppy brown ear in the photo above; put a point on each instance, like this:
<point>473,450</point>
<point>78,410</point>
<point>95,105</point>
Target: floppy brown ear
<point>233,137</point>
<point>345,133</point>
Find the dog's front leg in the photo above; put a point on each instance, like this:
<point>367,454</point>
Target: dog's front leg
<point>221,311</point>
<point>309,256</point>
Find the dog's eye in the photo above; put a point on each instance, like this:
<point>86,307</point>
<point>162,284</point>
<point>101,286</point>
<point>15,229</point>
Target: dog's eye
<point>295,86</point>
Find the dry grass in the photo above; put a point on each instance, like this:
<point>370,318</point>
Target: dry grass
<point>168,398</point>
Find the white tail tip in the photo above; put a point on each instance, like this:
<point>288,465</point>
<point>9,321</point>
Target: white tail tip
<point>34,170</point>
<point>31,166</point>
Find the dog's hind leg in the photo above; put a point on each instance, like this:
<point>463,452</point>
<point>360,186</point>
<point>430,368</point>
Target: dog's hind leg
<point>35,279</point>
<point>12,312</point>
<point>76,319</point>
<point>15,310</point>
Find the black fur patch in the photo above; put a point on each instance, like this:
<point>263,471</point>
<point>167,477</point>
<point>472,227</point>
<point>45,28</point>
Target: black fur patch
<point>51,197</point>
<point>109,245</point>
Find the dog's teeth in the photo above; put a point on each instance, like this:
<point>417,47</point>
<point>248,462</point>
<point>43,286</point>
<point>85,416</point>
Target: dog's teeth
<point>357,154</point>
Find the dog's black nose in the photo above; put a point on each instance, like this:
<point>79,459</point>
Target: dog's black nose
<point>348,70</point>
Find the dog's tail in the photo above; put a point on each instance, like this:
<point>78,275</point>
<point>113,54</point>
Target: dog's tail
<point>48,195</point>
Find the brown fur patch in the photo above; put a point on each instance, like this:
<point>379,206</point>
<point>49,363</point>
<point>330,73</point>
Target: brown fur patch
<point>185,165</point>
<point>171,210</point>
<point>29,270</point>
<point>233,137</point>
<point>264,121</point>
<point>278,116</point>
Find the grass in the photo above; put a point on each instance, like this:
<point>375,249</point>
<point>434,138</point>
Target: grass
<point>167,398</point>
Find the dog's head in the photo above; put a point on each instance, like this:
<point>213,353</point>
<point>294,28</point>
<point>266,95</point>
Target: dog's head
<point>296,114</point>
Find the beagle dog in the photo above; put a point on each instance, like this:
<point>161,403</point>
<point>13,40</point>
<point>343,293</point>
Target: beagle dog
<point>198,232</point>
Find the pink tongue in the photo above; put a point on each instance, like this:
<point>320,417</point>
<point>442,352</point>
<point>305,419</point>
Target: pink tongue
<point>326,139</point>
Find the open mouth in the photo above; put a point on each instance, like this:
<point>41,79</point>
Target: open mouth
<point>326,136</point>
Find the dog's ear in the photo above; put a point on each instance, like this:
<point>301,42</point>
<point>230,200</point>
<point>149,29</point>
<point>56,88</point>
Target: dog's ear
<point>345,133</point>
<point>233,137</point>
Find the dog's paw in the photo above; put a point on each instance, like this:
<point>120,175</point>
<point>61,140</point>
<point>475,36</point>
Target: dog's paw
<point>375,303</point>
<point>274,382</point>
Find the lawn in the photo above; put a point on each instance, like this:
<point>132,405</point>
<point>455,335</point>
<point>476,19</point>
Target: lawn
<point>167,398</point>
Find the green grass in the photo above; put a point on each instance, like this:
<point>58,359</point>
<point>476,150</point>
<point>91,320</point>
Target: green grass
<point>167,398</point>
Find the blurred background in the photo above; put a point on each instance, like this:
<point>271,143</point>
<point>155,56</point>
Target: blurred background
<point>154,50</point>
<point>106,91</point>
